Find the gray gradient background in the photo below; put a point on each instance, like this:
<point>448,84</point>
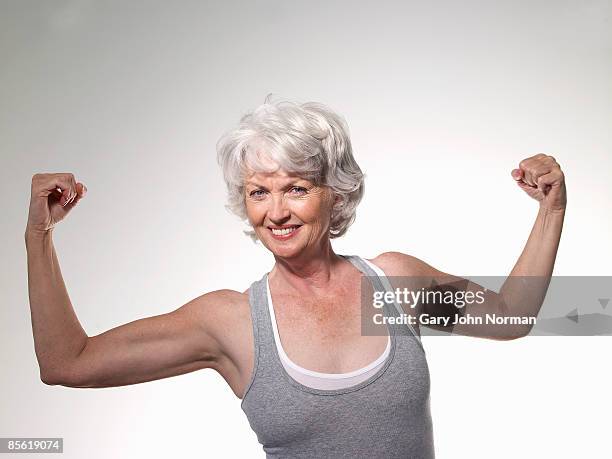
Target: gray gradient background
<point>443,100</point>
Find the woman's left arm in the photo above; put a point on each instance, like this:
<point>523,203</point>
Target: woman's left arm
<point>523,292</point>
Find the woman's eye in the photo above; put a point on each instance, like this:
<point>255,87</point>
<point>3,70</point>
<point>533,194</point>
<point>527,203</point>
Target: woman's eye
<point>256,193</point>
<point>298,190</point>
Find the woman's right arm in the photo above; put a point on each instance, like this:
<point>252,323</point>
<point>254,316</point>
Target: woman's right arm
<point>157,347</point>
<point>147,349</point>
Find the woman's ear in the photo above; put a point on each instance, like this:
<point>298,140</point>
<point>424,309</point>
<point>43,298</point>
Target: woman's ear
<point>337,201</point>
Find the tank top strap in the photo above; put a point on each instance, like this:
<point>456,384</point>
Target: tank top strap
<point>381,283</point>
<point>260,314</point>
<point>262,330</point>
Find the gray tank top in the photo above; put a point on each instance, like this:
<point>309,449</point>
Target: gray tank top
<point>385,416</point>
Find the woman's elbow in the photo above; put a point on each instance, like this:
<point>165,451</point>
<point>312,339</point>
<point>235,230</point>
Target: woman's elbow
<point>517,332</point>
<point>61,377</point>
<point>50,378</point>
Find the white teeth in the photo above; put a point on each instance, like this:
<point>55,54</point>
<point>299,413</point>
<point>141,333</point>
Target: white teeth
<point>284,231</point>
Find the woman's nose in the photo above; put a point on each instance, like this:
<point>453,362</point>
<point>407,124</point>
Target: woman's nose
<point>278,211</point>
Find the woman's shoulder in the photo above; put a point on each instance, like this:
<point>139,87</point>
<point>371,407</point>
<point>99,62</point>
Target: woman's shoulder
<point>219,307</point>
<point>401,264</point>
<point>226,299</point>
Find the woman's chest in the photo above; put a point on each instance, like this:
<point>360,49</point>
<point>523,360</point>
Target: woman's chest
<point>325,334</point>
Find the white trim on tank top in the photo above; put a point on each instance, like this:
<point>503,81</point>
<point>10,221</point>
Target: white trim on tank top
<point>326,380</point>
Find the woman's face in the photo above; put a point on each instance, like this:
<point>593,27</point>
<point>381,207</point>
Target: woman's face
<point>289,214</point>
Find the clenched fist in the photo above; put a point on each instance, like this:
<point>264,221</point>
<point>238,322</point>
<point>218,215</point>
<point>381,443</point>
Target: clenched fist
<point>541,178</point>
<point>53,196</point>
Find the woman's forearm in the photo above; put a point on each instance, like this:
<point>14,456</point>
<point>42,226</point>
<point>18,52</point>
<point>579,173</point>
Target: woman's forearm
<point>526,287</point>
<point>538,257</point>
<point>58,335</point>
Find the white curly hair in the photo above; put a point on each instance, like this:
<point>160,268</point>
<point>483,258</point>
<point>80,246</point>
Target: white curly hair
<point>307,139</point>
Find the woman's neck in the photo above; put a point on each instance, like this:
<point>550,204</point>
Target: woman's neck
<point>308,273</point>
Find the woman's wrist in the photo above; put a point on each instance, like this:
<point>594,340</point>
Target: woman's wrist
<point>33,235</point>
<point>550,211</point>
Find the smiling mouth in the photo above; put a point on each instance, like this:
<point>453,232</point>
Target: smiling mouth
<point>283,230</point>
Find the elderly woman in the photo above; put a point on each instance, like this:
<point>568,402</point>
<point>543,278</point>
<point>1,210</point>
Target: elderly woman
<point>292,346</point>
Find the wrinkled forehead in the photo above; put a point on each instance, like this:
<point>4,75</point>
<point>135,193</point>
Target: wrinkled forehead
<point>279,176</point>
